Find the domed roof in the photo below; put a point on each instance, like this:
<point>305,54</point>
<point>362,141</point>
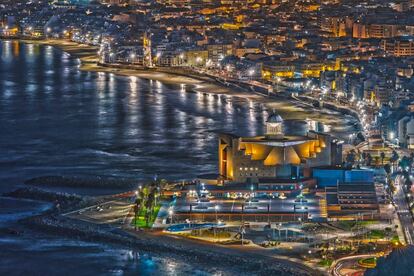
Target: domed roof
<point>274,118</point>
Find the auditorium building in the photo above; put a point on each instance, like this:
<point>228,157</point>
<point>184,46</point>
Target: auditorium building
<point>275,156</point>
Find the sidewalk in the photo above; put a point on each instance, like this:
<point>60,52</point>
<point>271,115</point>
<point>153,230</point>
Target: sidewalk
<point>396,221</point>
<point>162,214</point>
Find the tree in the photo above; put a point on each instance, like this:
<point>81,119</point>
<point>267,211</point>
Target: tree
<point>410,161</point>
<point>387,169</point>
<point>376,158</point>
<point>394,157</point>
<point>136,212</point>
<point>149,207</point>
<point>364,156</point>
<point>160,185</point>
<point>408,183</point>
<point>404,163</point>
<point>382,155</point>
<point>350,158</point>
<point>369,159</point>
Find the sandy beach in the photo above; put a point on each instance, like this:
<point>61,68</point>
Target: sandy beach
<point>235,260</point>
<point>289,108</point>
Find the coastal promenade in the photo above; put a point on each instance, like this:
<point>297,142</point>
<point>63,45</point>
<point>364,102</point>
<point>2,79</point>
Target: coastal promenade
<point>105,220</point>
<point>204,80</point>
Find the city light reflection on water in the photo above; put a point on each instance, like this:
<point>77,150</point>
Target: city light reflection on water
<point>111,125</point>
<point>99,124</point>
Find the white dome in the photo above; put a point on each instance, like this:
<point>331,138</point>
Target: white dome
<point>274,118</point>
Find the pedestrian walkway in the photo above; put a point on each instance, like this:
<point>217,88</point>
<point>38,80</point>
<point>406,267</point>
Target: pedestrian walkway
<point>162,215</point>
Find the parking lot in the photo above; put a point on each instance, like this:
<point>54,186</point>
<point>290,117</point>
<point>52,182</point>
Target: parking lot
<point>293,206</point>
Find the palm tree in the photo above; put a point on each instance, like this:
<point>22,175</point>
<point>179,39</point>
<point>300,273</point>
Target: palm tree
<point>350,158</point>
<point>394,158</point>
<point>369,159</point>
<point>363,156</point>
<point>160,185</point>
<point>149,207</point>
<point>411,160</point>
<point>382,157</point>
<point>387,169</point>
<point>404,163</point>
<point>137,208</point>
<point>376,160</point>
<point>163,184</point>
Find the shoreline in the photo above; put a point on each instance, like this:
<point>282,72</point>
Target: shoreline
<point>52,222</point>
<point>230,260</point>
<point>290,106</point>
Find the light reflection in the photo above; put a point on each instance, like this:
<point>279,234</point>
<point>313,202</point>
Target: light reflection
<point>183,93</point>
<point>30,49</point>
<point>100,83</point>
<point>49,55</point>
<point>66,72</point>
<point>158,117</point>
<point>165,115</point>
<point>158,86</point>
<point>133,84</point>
<point>251,118</point>
<point>111,84</point>
<point>210,103</point>
<point>199,96</point>
<point>172,268</point>
<point>219,100</point>
<point>16,48</point>
<point>6,56</point>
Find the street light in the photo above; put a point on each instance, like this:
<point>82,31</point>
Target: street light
<point>251,73</point>
<point>171,212</point>
<point>132,56</point>
<point>216,209</point>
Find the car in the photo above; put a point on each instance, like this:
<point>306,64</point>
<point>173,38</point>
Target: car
<point>301,200</point>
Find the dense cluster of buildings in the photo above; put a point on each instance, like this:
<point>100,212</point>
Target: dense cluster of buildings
<point>360,54</point>
<point>346,50</point>
<point>304,168</point>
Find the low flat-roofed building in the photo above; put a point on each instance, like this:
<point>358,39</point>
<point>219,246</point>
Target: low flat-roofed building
<point>331,176</point>
<point>352,201</point>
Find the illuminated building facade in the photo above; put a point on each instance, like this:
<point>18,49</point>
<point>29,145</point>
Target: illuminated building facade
<point>275,155</point>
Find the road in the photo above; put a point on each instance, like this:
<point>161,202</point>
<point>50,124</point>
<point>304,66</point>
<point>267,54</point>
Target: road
<point>345,265</point>
<point>403,211</point>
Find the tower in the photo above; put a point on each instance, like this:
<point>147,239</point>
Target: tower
<point>274,127</point>
<point>147,50</point>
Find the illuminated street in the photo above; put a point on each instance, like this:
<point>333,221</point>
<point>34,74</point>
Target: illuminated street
<point>207,137</point>
<point>404,214</point>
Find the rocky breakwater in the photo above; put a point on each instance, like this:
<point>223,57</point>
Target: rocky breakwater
<point>205,255</point>
<point>81,182</point>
